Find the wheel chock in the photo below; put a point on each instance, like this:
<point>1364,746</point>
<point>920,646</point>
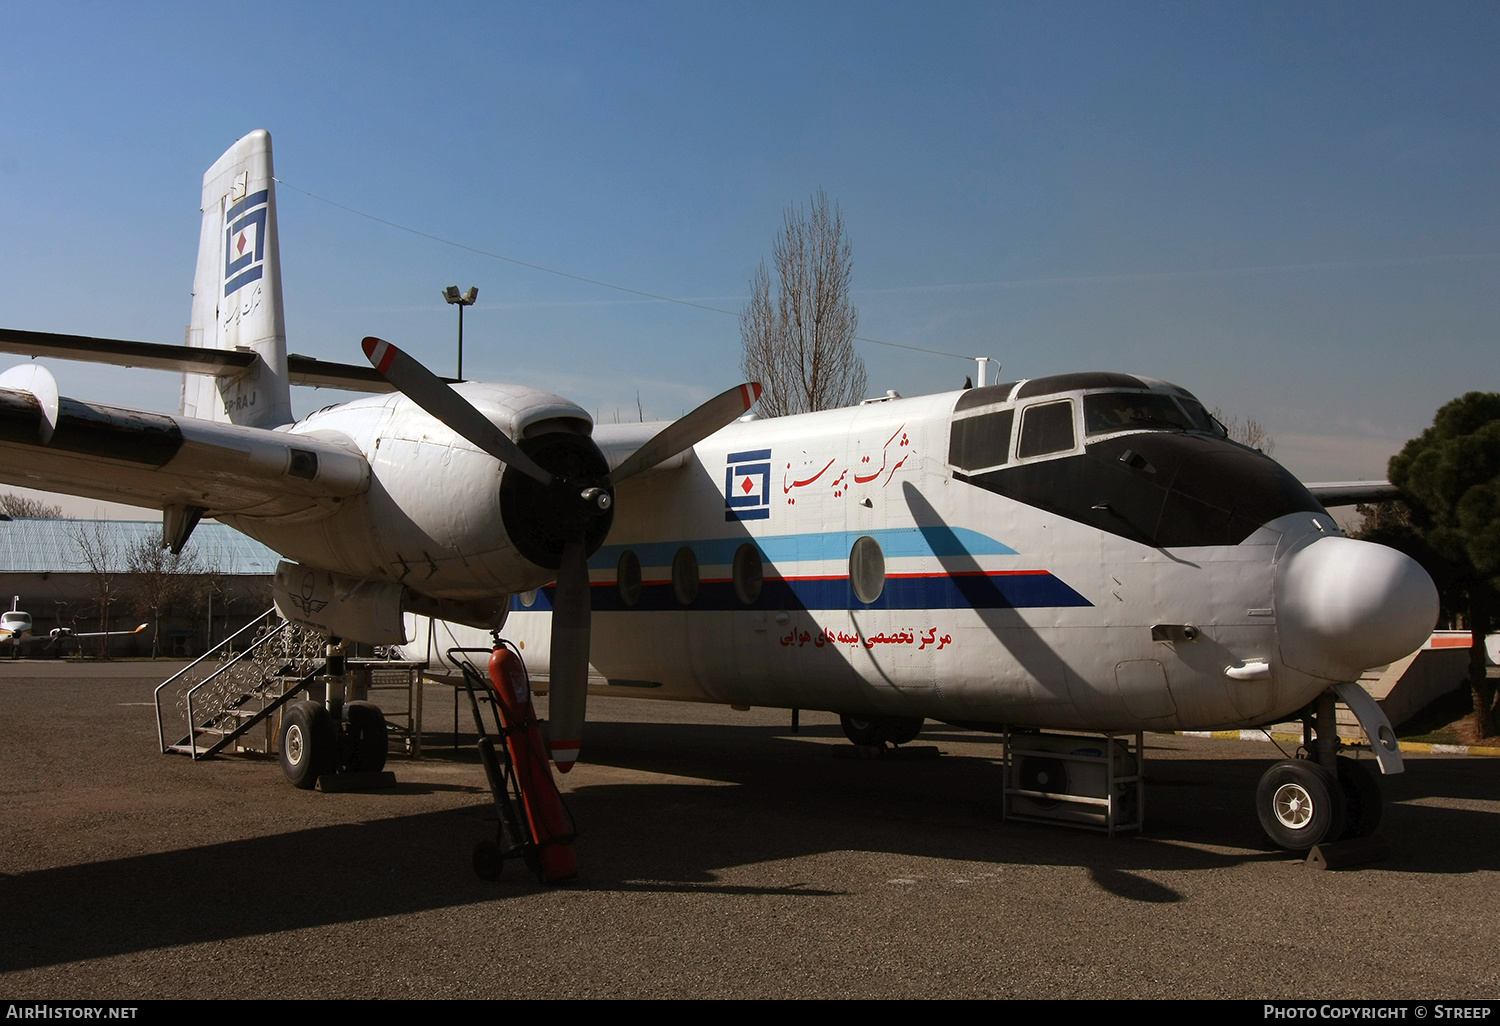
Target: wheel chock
<point>1342,854</point>
<point>365,780</point>
<point>897,753</point>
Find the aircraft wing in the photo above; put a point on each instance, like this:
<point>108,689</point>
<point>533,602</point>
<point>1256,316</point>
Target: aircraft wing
<point>156,460</point>
<point>63,632</point>
<point>1349,493</point>
<point>301,370</point>
<point>618,442</point>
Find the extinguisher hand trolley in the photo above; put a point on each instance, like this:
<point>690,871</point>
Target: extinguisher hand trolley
<point>533,823</point>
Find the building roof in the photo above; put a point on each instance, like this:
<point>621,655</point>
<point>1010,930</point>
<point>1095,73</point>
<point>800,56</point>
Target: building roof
<point>30,546</point>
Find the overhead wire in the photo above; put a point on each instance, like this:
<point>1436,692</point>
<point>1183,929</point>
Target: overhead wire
<point>578,277</point>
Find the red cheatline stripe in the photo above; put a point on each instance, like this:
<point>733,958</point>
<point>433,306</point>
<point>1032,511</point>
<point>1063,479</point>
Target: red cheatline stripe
<point>610,582</point>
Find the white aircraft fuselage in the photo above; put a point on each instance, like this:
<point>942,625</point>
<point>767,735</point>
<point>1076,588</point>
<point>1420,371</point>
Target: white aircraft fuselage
<point>1145,576</point>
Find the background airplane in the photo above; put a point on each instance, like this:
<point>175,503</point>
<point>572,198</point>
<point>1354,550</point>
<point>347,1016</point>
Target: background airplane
<point>16,627</point>
<point>1081,552</point>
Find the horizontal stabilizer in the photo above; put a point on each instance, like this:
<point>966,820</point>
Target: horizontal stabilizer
<point>302,370</point>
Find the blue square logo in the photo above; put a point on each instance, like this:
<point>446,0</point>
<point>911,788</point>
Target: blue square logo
<point>747,485</point>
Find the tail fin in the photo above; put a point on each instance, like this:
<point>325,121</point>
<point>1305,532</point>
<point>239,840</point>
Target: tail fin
<point>237,291</point>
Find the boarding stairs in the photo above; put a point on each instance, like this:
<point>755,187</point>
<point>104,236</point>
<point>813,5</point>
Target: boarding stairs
<point>215,701</point>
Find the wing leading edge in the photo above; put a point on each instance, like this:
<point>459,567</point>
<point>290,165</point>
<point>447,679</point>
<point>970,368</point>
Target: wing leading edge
<point>1350,493</point>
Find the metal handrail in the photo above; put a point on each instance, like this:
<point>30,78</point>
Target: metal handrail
<point>192,722</point>
<point>161,738</point>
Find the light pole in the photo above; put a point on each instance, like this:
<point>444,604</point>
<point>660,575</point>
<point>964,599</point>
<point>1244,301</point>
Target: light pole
<point>453,296</point>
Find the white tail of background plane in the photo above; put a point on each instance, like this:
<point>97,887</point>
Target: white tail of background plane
<point>237,291</point>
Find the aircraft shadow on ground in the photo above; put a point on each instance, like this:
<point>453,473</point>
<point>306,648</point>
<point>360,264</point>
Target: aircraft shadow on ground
<point>764,797</point>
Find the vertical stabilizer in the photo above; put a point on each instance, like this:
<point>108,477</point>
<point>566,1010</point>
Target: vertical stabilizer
<point>237,291</point>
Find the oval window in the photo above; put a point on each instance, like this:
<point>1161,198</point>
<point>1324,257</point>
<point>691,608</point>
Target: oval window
<point>749,574</point>
<point>867,569</point>
<point>685,576</point>
<point>628,577</point>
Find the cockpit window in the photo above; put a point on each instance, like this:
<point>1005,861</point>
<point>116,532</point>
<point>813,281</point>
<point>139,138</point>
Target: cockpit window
<point>1045,429</point>
<point>1104,412</point>
<point>1200,417</point>
<point>983,441</point>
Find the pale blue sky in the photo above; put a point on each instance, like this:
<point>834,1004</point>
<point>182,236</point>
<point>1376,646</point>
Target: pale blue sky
<point>1290,209</point>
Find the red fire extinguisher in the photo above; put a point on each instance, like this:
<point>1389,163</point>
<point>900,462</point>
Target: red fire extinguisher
<point>551,827</point>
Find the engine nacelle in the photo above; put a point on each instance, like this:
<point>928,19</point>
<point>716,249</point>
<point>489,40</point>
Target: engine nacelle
<point>442,523</point>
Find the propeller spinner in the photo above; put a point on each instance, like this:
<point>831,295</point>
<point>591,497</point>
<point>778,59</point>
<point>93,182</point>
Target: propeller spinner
<point>577,499</point>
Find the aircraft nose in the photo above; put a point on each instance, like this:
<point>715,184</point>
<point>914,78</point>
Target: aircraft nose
<point>1343,606</point>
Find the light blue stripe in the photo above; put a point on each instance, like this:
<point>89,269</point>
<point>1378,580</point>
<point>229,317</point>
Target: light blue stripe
<point>895,542</point>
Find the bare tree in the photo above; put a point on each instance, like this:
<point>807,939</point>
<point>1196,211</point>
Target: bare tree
<point>162,578</point>
<point>1249,432</point>
<point>13,505</point>
<point>102,560</point>
<point>799,343</point>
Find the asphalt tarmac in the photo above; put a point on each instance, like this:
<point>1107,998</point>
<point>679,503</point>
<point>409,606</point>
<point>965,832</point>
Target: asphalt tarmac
<point>722,857</point>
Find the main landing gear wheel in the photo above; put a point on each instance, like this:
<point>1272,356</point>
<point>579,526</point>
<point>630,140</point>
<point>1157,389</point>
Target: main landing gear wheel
<point>364,738</point>
<point>875,730</point>
<point>1362,793</point>
<point>309,744</point>
<point>1300,804</point>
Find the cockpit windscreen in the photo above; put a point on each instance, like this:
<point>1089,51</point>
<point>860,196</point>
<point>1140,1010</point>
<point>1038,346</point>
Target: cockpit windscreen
<point>1105,412</point>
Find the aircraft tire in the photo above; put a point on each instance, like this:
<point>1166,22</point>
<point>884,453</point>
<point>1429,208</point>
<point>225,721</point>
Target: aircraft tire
<point>876,730</point>
<point>1300,804</point>
<point>308,743</point>
<point>1362,793</point>
<point>366,742</point>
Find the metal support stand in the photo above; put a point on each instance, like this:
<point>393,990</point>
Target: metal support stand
<point>367,675</point>
<point>1075,781</point>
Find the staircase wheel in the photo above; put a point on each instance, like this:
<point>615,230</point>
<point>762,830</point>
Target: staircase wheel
<point>367,736</point>
<point>308,743</point>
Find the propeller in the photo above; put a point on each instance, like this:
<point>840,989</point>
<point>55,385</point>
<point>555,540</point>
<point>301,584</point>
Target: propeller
<point>575,502</point>
<point>431,393</point>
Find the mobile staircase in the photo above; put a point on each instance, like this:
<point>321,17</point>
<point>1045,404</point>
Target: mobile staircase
<point>217,699</point>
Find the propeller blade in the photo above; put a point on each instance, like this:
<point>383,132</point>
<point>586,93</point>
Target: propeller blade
<point>571,613</point>
<point>688,431</point>
<point>428,391</point>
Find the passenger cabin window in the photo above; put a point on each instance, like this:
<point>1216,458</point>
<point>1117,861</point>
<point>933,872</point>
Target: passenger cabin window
<point>1046,428</point>
<point>1104,412</point>
<point>979,442</point>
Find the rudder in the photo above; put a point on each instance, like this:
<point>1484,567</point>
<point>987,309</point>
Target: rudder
<point>237,291</point>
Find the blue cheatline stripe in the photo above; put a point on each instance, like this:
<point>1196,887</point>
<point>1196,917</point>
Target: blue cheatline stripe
<point>998,590</point>
<point>895,542</point>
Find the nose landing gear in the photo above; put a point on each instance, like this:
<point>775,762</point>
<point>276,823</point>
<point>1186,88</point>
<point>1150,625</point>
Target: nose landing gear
<point>1302,803</point>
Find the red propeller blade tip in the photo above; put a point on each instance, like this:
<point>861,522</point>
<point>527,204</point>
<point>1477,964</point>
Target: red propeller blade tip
<point>379,352</point>
<point>564,755</point>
